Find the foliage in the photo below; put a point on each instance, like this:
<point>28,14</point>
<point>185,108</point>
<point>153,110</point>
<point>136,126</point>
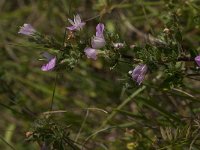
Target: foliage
<point>87,104</point>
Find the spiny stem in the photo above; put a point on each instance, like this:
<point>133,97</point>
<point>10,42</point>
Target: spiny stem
<point>186,59</point>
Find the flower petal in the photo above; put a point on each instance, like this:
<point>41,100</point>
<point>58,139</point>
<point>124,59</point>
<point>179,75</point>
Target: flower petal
<point>72,28</point>
<point>77,19</point>
<point>50,65</point>
<point>27,29</point>
<point>197,60</point>
<point>71,22</point>
<point>91,53</point>
<point>80,26</point>
<point>76,24</point>
<point>99,30</point>
<point>140,79</point>
<point>139,72</point>
<point>98,42</point>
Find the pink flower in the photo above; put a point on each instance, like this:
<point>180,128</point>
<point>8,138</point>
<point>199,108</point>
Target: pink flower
<point>50,65</point>
<point>77,24</point>
<point>197,60</point>
<point>91,53</point>
<point>99,30</point>
<point>139,73</point>
<point>27,29</point>
<point>97,42</point>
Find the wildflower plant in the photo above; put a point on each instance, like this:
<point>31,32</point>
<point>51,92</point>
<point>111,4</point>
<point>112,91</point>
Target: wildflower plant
<point>165,54</point>
<point>156,107</point>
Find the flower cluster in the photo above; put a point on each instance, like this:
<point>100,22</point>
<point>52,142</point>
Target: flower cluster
<point>98,41</point>
<point>27,29</point>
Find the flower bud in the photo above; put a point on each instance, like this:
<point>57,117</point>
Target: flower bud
<point>139,73</point>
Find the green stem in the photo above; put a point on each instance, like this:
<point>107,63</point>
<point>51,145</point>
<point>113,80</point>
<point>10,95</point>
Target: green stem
<point>7,143</point>
<point>63,44</point>
<point>123,104</point>
<point>54,90</point>
<point>84,121</point>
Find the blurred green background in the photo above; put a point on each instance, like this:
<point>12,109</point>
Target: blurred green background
<point>26,91</point>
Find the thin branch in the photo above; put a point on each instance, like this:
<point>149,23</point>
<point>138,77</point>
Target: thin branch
<point>54,90</point>
<point>138,32</point>
<point>7,143</point>
<point>123,104</point>
<point>83,123</point>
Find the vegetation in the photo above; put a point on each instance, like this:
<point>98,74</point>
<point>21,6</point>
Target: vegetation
<point>133,85</point>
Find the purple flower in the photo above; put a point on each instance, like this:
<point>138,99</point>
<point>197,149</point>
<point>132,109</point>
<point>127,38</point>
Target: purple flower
<point>118,45</point>
<point>139,72</point>
<point>91,53</point>
<point>50,64</point>
<point>76,24</point>
<point>99,30</point>
<point>197,60</point>
<point>98,41</point>
<point>27,29</point>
